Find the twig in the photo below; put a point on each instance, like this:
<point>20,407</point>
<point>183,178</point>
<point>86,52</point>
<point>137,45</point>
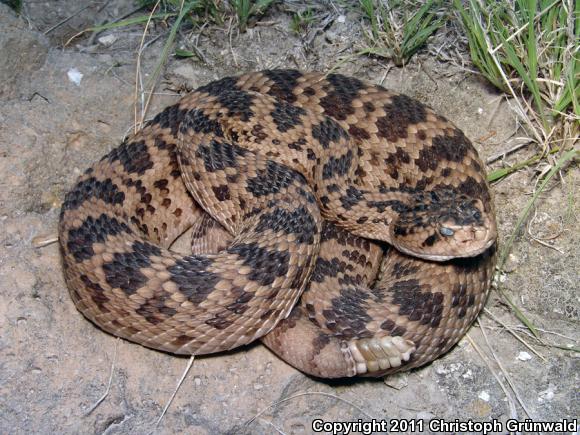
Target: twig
<point>184,9</point>
<point>568,347</point>
<point>505,374</point>
<point>545,331</point>
<point>546,244</point>
<point>511,331</point>
<point>189,364</point>
<point>306,393</point>
<point>138,79</point>
<point>42,241</point>
<point>513,411</point>
<point>60,23</point>
<point>122,17</point>
<point>510,151</point>
<point>106,393</point>
<point>280,431</point>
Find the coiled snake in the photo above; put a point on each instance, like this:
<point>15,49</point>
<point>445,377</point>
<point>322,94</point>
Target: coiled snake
<point>292,183</point>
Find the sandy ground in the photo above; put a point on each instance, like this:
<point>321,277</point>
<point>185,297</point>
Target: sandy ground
<point>55,365</point>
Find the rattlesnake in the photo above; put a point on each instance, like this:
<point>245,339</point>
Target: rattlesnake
<point>291,181</point>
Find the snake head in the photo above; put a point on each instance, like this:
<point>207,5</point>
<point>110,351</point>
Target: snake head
<point>443,225</point>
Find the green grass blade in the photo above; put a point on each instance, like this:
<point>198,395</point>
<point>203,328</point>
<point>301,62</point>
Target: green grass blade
<point>571,349</point>
<point>477,44</point>
<point>260,6</point>
<point>531,54</point>
<point>368,8</point>
<point>500,173</point>
<point>572,89</point>
<point>187,7</point>
<point>179,52</point>
<point>531,84</point>
<point>418,29</point>
<point>519,314</point>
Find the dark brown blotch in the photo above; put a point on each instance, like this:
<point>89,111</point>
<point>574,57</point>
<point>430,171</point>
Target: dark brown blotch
<point>259,133</point>
<point>328,131</point>
<point>273,179</point>
<point>218,155</point>
<point>395,161</point>
<point>221,192</point>
<point>402,112</point>
<point>337,166</point>
<point>350,316</point>
<point>284,81</point>
<point>358,133</point>
<point>298,222</point>
<point>340,94</point>
<point>171,117</point>
<point>265,265</point>
<point>80,240</point>
<point>448,147</point>
<point>319,342</point>
<point>124,270</point>
<point>199,122</point>
<point>181,340</point>
<point>192,277</point>
<point>97,293</point>
<point>84,190</point>
<point>286,116</point>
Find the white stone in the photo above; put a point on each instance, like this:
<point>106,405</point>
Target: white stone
<point>107,40</point>
<point>547,394</point>
<point>397,381</point>
<point>75,76</point>
<point>524,356</point>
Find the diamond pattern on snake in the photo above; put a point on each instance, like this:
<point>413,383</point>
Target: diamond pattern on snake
<point>348,227</point>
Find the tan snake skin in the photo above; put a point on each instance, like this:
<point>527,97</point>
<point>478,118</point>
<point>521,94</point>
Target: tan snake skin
<point>292,182</point>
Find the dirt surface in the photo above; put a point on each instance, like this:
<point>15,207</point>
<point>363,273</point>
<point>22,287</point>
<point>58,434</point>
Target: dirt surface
<point>55,365</point>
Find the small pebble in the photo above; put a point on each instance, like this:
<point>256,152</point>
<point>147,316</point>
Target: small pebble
<point>424,415</point>
<point>547,394</point>
<point>75,76</point>
<point>524,356</point>
<point>484,395</point>
<point>341,18</point>
<point>107,40</point>
<point>397,381</point>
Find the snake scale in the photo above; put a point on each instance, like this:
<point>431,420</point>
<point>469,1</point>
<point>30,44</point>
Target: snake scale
<point>349,227</point>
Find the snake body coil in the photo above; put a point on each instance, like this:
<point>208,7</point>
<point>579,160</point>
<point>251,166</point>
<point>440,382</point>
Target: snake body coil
<point>292,183</point>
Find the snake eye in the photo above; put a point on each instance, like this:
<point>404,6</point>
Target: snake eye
<point>447,232</point>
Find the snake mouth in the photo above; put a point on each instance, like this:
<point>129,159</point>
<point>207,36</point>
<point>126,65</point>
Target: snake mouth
<point>452,242</point>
